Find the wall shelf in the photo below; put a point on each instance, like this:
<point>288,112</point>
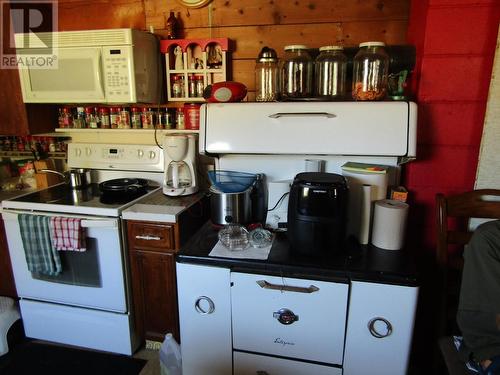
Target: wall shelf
<point>29,154</point>
<point>68,131</point>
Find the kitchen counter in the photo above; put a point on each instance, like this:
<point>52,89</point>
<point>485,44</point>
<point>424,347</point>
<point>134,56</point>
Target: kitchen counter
<point>159,207</point>
<point>366,263</point>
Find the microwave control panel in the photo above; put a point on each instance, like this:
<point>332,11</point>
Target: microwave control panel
<point>118,73</point>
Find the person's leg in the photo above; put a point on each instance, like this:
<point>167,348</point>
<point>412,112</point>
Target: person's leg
<point>479,308</point>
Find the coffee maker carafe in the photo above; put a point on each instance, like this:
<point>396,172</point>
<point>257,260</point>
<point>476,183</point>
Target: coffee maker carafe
<point>180,165</point>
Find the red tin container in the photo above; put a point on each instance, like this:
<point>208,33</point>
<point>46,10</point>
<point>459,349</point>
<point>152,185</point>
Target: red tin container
<point>192,116</point>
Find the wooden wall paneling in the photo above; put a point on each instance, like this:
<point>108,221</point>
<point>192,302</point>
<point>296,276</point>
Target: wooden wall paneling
<point>13,119</point>
<point>101,14</point>
<point>264,12</point>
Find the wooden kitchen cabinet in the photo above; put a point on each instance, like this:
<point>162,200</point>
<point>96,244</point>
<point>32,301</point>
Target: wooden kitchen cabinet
<point>7,285</point>
<point>152,248</point>
<point>17,118</point>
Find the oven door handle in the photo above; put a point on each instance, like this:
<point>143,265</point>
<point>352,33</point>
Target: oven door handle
<point>99,223</point>
<point>287,288</point>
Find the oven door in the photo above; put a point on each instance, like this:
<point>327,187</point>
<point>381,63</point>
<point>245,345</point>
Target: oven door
<point>94,278</point>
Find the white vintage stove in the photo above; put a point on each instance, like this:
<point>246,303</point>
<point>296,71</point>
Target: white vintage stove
<point>350,312</point>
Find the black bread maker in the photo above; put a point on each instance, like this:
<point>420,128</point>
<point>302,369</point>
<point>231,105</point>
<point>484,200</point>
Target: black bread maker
<point>317,209</point>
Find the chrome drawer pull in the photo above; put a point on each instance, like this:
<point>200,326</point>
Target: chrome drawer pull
<point>200,309</point>
<point>148,238</point>
<point>287,288</point>
<point>302,114</point>
<point>373,330</point>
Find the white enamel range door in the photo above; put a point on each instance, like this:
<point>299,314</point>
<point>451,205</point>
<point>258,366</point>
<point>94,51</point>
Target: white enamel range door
<point>86,304</point>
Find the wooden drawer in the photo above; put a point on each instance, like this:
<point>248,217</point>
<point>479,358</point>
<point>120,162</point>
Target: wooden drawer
<point>151,236</point>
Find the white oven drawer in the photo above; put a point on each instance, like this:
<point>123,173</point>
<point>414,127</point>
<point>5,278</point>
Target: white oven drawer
<point>252,364</point>
<point>312,314</point>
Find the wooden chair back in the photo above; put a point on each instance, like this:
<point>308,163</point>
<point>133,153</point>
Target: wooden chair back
<point>452,223</point>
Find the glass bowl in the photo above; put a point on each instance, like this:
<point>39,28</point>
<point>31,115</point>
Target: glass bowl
<point>234,237</point>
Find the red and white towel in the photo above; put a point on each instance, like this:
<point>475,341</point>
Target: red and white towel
<point>67,233</point>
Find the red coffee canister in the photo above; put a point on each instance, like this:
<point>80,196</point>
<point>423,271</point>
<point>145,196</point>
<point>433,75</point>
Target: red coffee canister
<point>192,116</point>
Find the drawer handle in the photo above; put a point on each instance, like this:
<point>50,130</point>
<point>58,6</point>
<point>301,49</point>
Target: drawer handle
<point>202,310</point>
<point>148,238</point>
<point>302,114</point>
<point>285,316</point>
<point>373,330</point>
<point>288,288</point>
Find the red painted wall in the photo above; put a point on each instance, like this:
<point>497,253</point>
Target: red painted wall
<point>455,42</point>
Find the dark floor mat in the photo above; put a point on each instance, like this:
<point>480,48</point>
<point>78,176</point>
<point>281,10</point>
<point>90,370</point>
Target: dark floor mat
<point>38,358</point>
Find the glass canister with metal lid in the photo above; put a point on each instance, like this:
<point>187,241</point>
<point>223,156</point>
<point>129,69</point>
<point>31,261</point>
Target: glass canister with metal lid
<point>330,73</point>
<point>297,73</point>
<point>267,76</point>
<point>370,72</point>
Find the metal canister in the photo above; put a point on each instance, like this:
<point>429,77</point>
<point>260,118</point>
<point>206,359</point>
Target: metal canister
<point>267,87</point>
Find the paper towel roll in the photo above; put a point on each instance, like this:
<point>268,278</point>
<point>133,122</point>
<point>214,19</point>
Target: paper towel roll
<point>389,224</point>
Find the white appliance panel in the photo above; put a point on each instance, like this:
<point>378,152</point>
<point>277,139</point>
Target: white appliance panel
<point>321,313</point>
<point>204,316</point>
<point>110,295</point>
<point>314,128</point>
<point>372,304</point>
<point>93,329</point>
<point>251,364</point>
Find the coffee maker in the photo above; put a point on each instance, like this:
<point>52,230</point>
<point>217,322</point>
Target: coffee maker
<point>317,213</point>
<point>180,165</point>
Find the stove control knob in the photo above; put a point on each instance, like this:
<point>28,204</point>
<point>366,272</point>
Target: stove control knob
<point>140,153</point>
<point>88,151</point>
<point>152,154</point>
<point>78,151</point>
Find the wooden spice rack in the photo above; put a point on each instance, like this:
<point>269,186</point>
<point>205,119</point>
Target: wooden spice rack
<point>194,57</point>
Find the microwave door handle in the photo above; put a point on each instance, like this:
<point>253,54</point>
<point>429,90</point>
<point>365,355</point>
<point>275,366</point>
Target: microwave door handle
<point>100,67</point>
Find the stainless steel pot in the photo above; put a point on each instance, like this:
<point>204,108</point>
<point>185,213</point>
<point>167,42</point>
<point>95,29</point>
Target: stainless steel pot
<point>76,178</point>
<point>231,207</point>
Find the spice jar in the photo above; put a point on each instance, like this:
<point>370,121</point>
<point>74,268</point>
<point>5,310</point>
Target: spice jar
<point>199,86</point>
<point>177,87</point>
<point>331,67</point>
<point>90,118</point>
<point>267,74</point>
<point>191,86</point>
<point>104,118</point>
<point>297,73</point>
<point>370,71</point>
<point>147,118</point>
<point>124,119</point>
<point>179,119</point>
<point>135,118</point>
<point>114,117</point>
<point>67,118</point>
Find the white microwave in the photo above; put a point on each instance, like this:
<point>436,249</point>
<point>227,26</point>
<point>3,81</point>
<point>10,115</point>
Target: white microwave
<point>93,66</point>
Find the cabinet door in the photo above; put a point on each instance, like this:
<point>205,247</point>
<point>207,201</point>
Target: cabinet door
<point>205,319</point>
<point>379,329</point>
<point>7,286</point>
<point>155,295</point>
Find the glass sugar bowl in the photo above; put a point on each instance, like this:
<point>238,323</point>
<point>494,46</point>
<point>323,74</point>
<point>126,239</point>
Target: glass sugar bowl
<point>267,85</point>
<point>297,73</point>
<point>330,70</point>
<point>370,72</point>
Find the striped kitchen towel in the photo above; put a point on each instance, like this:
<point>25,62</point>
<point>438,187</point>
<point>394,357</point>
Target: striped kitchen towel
<point>67,233</point>
<point>41,256</point>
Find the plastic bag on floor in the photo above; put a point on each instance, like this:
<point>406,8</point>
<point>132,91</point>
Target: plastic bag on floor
<point>170,356</point>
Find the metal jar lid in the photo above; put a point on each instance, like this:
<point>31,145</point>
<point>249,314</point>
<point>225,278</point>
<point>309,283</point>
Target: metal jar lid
<point>331,48</point>
<point>372,44</point>
<point>267,54</point>
<point>295,46</point>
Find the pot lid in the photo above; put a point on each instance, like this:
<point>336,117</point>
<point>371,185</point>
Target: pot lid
<point>120,184</point>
